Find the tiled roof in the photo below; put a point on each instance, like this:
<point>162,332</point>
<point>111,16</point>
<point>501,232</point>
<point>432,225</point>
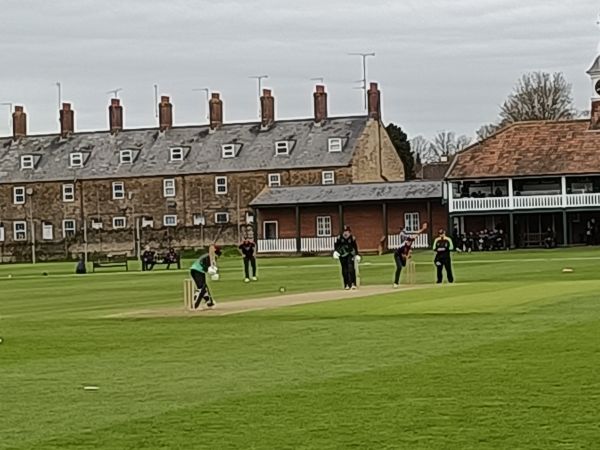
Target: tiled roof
<point>256,150</point>
<point>532,149</point>
<point>348,193</point>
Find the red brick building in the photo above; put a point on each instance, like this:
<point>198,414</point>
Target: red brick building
<point>308,219</point>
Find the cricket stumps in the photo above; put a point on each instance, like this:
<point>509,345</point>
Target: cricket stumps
<point>411,272</point>
<point>189,288</point>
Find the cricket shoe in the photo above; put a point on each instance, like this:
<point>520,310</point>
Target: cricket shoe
<point>210,303</point>
<point>246,280</point>
<point>254,279</point>
<point>347,288</point>
<point>354,287</point>
<point>396,285</point>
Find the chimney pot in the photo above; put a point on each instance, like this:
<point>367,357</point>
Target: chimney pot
<point>267,109</point>
<point>19,123</point>
<point>374,102</point>
<point>215,107</point>
<point>67,120</point>
<point>320,103</point>
<point>115,116</point>
<point>165,113</point>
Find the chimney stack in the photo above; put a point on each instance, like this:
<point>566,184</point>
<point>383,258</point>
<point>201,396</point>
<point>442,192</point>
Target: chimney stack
<point>215,107</point>
<point>374,101</point>
<point>19,121</point>
<point>320,100</point>
<point>267,109</point>
<point>165,113</point>
<point>115,116</point>
<point>67,120</point>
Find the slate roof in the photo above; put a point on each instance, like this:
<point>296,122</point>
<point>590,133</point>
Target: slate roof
<point>527,149</point>
<point>348,193</point>
<point>256,150</point>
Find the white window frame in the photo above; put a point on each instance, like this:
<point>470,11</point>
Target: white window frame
<point>221,188</point>
<point>22,231</point>
<point>324,228</point>
<point>2,236</point>
<point>73,157</point>
<point>335,145</point>
<point>274,179</point>
<point>47,231</point>
<point>170,220</point>
<point>119,218</point>
<point>27,162</point>
<point>412,222</point>
<point>126,157</point>
<point>96,223</point>
<point>269,222</point>
<point>173,151</point>
<point>217,214</point>
<point>328,177</point>
<point>169,188</point>
<point>282,148</point>
<point>67,196</point>
<point>118,194</point>
<point>19,195</point>
<point>70,229</point>
<point>228,150</point>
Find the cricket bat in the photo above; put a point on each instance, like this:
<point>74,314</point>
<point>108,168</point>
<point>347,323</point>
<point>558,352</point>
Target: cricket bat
<point>357,272</point>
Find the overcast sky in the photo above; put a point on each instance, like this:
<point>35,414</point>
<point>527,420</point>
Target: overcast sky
<point>442,65</point>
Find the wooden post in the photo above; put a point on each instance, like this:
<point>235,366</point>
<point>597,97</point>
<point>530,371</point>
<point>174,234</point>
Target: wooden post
<point>341,217</point>
<point>430,225</point>
<point>565,228</point>
<point>384,212</point>
<point>239,219</point>
<point>298,231</point>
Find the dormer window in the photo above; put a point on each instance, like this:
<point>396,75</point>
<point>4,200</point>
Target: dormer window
<point>176,154</point>
<point>27,162</point>
<point>76,159</point>
<point>334,145</point>
<point>228,150</point>
<point>126,157</point>
<point>282,148</point>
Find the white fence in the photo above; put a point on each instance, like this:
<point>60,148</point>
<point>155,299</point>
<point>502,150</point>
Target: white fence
<point>276,246</point>
<point>480,204</point>
<point>538,201</point>
<point>318,244</point>
<point>582,200</point>
<point>525,202</point>
<point>421,241</point>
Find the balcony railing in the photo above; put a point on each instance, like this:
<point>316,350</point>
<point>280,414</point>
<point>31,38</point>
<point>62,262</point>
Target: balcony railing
<point>317,244</point>
<point>421,241</point>
<point>525,202</point>
<point>480,204</point>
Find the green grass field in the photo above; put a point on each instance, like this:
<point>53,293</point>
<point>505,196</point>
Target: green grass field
<point>509,358</point>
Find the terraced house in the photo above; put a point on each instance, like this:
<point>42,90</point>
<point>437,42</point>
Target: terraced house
<point>118,189</point>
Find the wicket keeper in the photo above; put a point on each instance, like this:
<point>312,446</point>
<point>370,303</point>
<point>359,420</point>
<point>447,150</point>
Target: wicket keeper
<point>442,246</point>
<point>401,256</point>
<point>346,250</point>
<point>203,265</point>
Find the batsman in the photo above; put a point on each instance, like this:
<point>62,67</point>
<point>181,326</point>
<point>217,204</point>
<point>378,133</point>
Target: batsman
<point>346,250</point>
<point>443,246</point>
<point>205,264</point>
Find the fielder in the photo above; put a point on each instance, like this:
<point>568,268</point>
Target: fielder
<point>346,250</point>
<point>247,250</point>
<point>401,256</point>
<point>203,265</point>
<point>442,246</point>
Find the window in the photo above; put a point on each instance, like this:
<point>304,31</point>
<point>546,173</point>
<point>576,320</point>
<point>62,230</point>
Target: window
<point>328,177</point>
<point>274,180</point>
<point>76,159</point>
<point>147,222</point>
<point>20,230</point>
<point>220,185</point>
<point>1,233</point>
<point>335,145</point>
<point>169,188</point>
<point>18,195</point>
<point>97,223</point>
<point>282,148</point>
<point>221,217</point>
<point>170,220</point>
<point>271,229</point>
<point>119,222</point>
<point>118,190</point>
<point>228,150</point>
<point>176,154</point>
<point>199,219</point>
<point>27,162</point>
<point>324,226</point>
<point>68,192</point>
<point>126,156</point>
<point>47,231</point>
<point>68,228</point>
<point>412,223</point>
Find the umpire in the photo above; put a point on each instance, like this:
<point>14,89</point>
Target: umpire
<point>442,246</point>
<point>346,250</point>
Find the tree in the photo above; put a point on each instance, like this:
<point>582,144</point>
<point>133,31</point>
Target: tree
<point>402,146</point>
<point>487,130</point>
<point>538,96</point>
<point>445,144</point>
<point>420,146</point>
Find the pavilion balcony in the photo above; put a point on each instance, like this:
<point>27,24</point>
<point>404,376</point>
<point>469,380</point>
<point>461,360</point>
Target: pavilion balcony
<point>528,202</point>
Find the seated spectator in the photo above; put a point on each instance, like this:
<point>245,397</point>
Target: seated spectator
<point>148,259</point>
<point>498,192</point>
<point>171,257</point>
<point>550,239</point>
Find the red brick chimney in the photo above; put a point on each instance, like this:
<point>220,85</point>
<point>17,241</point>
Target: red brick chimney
<point>165,113</point>
<point>595,124</point>
<point>374,102</point>
<point>67,120</point>
<point>115,116</point>
<point>19,122</point>
<point>267,109</point>
<point>215,107</point>
<point>320,100</point>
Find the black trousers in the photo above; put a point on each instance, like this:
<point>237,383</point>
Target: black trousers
<point>200,280</point>
<point>440,265</point>
<point>400,263</point>
<point>348,272</point>
<point>249,261</point>
<point>147,264</point>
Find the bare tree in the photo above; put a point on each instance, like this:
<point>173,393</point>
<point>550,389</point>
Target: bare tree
<point>538,96</point>
<point>420,146</point>
<point>487,130</point>
<point>445,144</point>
